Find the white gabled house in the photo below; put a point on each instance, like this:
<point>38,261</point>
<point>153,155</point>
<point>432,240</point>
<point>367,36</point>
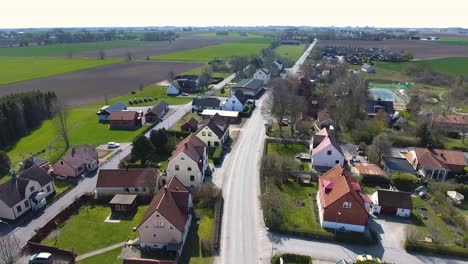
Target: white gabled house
<point>262,74</point>
<point>173,88</point>
<point>213,131</point>
<point>325,151</point>
<point>236,102</point>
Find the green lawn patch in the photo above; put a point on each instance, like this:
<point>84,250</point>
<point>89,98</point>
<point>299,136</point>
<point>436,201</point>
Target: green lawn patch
<point>177,126</point>
<point>290,150</point>
<point>458,65</point>
<point>192,252</point>
<point>109,257</point>
<point>86,231</point>
<point>221,51</point>
<point>64,49</point>
<point>198,71</point>
<point>227,91</point>
<point>452,143</point>
<point>453,41</point>
<point>153,91</point>
<point>16,69</point>
<point>292,52</point>
<point>61,186</point>
<point>433,220</point>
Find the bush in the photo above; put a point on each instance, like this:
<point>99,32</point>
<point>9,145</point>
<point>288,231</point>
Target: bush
<point>404,141</point>
<point>452,134</point>
<point>178,133</point>
<point>463,189</point>
<point>217,155</point>
<point>436,248</point>
<point>207,247</point>
<point>404,181</point>
<point>373,181</point>
<point>291,258</point>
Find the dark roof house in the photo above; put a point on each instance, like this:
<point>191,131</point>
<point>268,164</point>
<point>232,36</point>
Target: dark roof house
<point>376,106</point>
<point>397,165</point>
<point>206,103</point>
<point>249,87</point>
<point>156,112</point>
<point>190,125</point>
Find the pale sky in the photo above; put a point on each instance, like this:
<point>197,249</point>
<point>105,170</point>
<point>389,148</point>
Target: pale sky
<point>105,13</point>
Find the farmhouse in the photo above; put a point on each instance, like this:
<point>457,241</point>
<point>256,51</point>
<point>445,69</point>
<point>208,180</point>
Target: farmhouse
<point>451,122</point>
<point>249,87</point>
<point>189,162</point>
<point>236,102</point>
<point>340,202</point>
<point>79,161</point>
<point>157,112</point>
<point>167,221</point>
<point>262,74</point>
<point>325,151</point>
<point>190,125</point>
<point>125,120</point>
<point>378,106</point>
<point>213,131</point>
<point>436,164</point>
<point>143,182</point>
<point>397,165</point>
<point>104,113</point>
<point>230,116</point>
<point>24,192</point>
<point>199,103</point>
<point>392,202</point>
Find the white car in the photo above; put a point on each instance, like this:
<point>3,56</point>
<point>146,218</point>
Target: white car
<point>112,145</point>
<point>41,258</point>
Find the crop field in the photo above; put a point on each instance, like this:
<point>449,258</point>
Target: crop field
<point>420,49</point>
<point>93,85</point>
<point>445,65</point>
<point>231,34</point>
<point>292,52</point>
<point>223,51</point>
<point>65,49</point>
<point>453,41</point>
<point>16,69</point>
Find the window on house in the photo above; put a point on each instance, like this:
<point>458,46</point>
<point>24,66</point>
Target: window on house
<point>171,227</point>
<point>144,189</point>
<point>192,178</point>
<point>209,134</point>
<point>127,189</point>
<point>176,167</point>
<point>159,224</point>
<point>329,152</point>
<point>233,101</point>
<point>31,189</point>
<point>182,158</point>
<point>203,133</point>
<point>61,162</point>
<point>26,204</point>
<point>136,189</point>
<point>18,209</point>
<point>347,205</point>
<point>48,188</point>
<point>189,168</point>
<point>216,144</point>
<point>154,235</point>
<point>337,161</point>
<point>164,181</point>
<point>157,215</point>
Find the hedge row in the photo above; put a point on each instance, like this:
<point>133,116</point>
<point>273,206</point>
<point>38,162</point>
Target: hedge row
<point>436,248</point>
<point>178,133</point>
<point>217,156</point>
<point>291,258</point>
<point>248,111</point>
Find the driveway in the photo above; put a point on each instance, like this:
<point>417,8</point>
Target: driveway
<point>391,230</point>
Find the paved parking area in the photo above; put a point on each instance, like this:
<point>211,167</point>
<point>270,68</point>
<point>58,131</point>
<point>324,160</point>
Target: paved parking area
<point>391,230</point>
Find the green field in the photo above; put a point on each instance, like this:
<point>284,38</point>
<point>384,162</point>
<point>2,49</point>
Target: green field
<point>292,52</point>
<point>453,41</point>
<point>64,49</point>
<point>221,51</point>
<point>230,34</point>
<point>445,65</point>
<point>15,69</point>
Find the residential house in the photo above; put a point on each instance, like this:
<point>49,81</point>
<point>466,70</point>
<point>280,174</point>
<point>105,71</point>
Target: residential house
<point>24,192</point>
<point>230,116</point>
<point>325,151</point>
<point>341,204</point>
<point>436,164</point>
<point>124,120</point>
<point>167,220</point>
<point>104,113</point>
<point>79,161</point>
<point>451,122</point>
<point>139,181</point>
<point>189,162</point>
<point>368,68</point>
<point>173,88</point>
<point>397,165</point>
<point>262,74</point>
<point>375,107</point>
<point>157,112</point>
<point>249,87</point>
<point>200,104</point>
<point>213,131</point>
<point>324,119</point>
<point>392,202</point>
<point>190,125</point>
<point>277,68</point>
<point>42,163</point>
<point>236,102</point>
<point>188,83</point>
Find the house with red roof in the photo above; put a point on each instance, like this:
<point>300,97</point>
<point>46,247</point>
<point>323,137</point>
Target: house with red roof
<point>139,181</point>
<point>166,222</point>
<point>452,122</point>
<point>124,120</point>
<point>189,162</point>
<point>325,151</point>
<point>79,161</point>
<point>436,164</point>
<point>340,201</point>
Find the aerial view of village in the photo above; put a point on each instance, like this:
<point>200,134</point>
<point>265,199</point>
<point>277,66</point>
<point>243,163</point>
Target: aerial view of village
<point>200,133</point>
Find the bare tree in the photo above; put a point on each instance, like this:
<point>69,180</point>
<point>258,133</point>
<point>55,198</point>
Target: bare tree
<point>171,76</point>
<point>10,249</point>
<point>152,183</point>
<point>381,146</point>
<point>129,55</point>
<point>102,54</point>
<point>205,78</point>
<point>62,113</point>
<point>276,103</point>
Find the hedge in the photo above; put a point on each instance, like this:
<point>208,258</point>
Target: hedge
<point>217,156</point>
<point>436,248</point>
<point>294,258</point>
<point>178,133</point>
<point>345,237</point>
<point>247,111</point>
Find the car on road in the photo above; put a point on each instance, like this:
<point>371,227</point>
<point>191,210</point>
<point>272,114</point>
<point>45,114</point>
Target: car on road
<point>112,145</point>
<point>41,258</point>
<point>367,259</point>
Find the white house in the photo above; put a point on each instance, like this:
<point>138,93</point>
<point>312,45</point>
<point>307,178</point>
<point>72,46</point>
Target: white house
<point>392,202</point>
<point>188,162</point>
<point>368,68</point>
<point>277,68</point>
<point>236,102</point>
<point>213,131</point>
<point>139,181</point>
<point>25,192</point>
<point>167,221</point>
<point>325,151</point>
<point>173,88</point>
<point>262,74</point>
<point>105,111</point>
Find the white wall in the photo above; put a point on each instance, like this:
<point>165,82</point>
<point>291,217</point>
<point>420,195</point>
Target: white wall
<point>233,104</point>
<point>261,75</point>
<point>213,138</point>
<point>347,227</point>
<point>183,174</point>
<point>403,212</point>
<point>322,159</point>
<point>151,235</point>
<point>6,212</point>
<point>172,90</point>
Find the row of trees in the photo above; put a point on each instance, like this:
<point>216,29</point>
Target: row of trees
<point>159,35</point>
<point>151,149</point>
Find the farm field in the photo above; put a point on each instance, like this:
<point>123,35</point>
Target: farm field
<point>16,69</point>
<point>65,49</point>
<point>446,65</point>
<point>292,52</point>
<point>420,49</point>
<point>93,85</point>
<point>223,51</point>
<point>231,34</point>
<point>453,41</point>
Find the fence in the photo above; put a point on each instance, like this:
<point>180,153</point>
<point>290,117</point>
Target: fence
<point>68,256</point>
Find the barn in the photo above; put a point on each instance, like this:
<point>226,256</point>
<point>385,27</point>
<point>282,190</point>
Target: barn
<point>392,202</point>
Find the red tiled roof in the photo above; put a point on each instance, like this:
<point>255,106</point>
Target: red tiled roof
<point>124,115</point>
<point>171,202</point>
<point>450,119</point>
<point>369,169</point>
<point>193,147</point>
<point>127,178</point>
<point>439,158</point>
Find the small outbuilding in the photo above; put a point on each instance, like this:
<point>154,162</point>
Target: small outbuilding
<point>190,125</point>
<point>123,203</point>
<point>392,202</point>
<point>455,197</point>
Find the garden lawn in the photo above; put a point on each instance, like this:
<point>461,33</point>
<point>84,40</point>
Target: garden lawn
<point>457,144</point>
<point>227,91</point>
<point>221,51</point>
<point>198,71</point>
<point>61,186</point>
<point>445,65</point>
<point>65,49</point>
<point>184,119</point>
<point>86,231</point>
<point>452,41</point>
<point>15,69</point>
<point>109,257</point>
<point>153,91</point>
<point>290,150</point>
<point>202,229</point>
<point>292,52</point>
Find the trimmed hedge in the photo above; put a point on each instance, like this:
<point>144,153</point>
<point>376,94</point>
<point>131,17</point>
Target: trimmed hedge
<point>178,133</point>
<point>295,258</point>
<point>217,156</point>
<point>436,248</point>
<point>247,111</point>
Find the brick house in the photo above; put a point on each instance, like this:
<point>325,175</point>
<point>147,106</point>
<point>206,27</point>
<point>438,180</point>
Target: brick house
<point>124,120</point>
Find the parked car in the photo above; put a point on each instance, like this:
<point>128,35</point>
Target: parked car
<point>41,258</point>
<point>184,94</point>
<point>112,145</point>
<point>367,259</point>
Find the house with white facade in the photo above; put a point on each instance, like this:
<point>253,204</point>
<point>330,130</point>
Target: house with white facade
<point>105,111</point>
<point>24,192</point>
<point>189,162</point>
<point>173,88</point>
<point>236,102</point>
<point>262,74</point>
<point>325,151</point>
<point>139,181</point>
<point>213,131</point>
<point>392,202</point>
<point>167,220</point>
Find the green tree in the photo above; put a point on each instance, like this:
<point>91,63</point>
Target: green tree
<point>424,134</point>
<point>159,139</point>
<point>404,181</point>
<point>141,149</point>
<point>5,163</point>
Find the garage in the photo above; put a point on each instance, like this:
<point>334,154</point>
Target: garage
<point>392,202</point>
<point>388,210</point>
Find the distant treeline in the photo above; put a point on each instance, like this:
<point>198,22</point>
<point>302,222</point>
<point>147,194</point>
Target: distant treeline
<point>294,33</point>
<point>159,35</point>
<point>21,113</point>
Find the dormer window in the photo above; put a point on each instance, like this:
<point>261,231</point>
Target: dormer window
<point>61,162</point>
<point>347,205</point>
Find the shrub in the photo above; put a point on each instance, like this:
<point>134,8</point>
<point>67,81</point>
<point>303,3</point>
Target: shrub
<point>404,181</point>
<point>373,181</point>
<point>217,156</point>
<point>463,189</point>
<point>207,247</point>
<point>436,248</point>
<point>178,133</point>
<point>291,258</point>
<point>452,134</point>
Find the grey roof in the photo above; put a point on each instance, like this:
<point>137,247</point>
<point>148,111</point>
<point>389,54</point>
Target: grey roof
<point>398,164</point>
<point>80,155</point>
<point>159,108</point>
<point>253,84</point>
<point>38,161</point>
<point>374,105</point>
<point>119,106</point>
<point>394,199</point>
<point>241,97</point>
<point>123,199</point>
<point>206,102</point>
<point>36,174</point>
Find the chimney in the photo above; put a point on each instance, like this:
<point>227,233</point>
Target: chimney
<point>73,152</point>
<point>185,144</point>
<point>165,188</point>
